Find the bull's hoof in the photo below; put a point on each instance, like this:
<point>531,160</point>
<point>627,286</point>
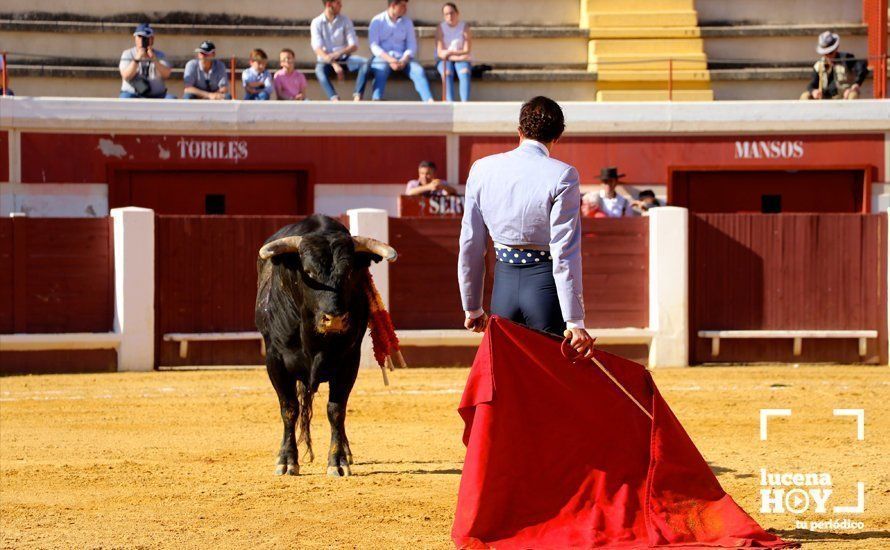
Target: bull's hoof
<point>349,458</point>
<point>287,469</point>
<point>339,471</point>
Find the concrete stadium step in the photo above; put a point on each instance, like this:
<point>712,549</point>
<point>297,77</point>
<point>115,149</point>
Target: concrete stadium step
<point>652,76</point>
<point>664,46</point>
<point>498,85</point>
<point>602,33</point>
<point>643,62</point>
<point>661,19</point>
<point>637,5</point>
<point>654,95</point>
<point>534,45</point>
<point>478,12</point>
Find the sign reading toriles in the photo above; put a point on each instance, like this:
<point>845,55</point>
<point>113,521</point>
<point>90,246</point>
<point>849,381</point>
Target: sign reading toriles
<point>208,149</point>
<point>774,149</point>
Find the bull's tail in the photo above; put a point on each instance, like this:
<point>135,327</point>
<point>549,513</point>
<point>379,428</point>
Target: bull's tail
<point>304,393</point>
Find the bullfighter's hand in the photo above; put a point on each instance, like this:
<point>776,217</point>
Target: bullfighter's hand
<point>478,324</point>
<point>581,341</point>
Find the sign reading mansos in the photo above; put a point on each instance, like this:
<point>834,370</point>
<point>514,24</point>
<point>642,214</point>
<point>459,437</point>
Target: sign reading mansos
<point>766,149</point>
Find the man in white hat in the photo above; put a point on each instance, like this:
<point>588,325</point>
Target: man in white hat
<point>837,75</point>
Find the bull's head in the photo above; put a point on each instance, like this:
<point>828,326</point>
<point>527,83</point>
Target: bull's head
<point>326,270</point>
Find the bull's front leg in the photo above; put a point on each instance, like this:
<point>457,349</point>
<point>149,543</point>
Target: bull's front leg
<point>340,455</point>
<point>285,386</point>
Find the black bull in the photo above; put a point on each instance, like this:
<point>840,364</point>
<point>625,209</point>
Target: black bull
<point>312,311</point>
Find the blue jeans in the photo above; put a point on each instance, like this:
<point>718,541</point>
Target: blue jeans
<point>193,96</point>
<point>381,71</point>
<point>259,96</point>
<point>463,69</point>
<point>354,63</point>
<point>131,95</point>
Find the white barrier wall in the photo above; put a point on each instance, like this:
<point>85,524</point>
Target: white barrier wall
<point>669,286</point>
<point>134,286</point>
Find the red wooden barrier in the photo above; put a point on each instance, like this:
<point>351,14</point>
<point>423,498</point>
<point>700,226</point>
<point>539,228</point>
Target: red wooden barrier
<point>56,276</point>
<point>788,271</point>
<point>616,272</point>
<point>206,282</point>
<point>423,282</point>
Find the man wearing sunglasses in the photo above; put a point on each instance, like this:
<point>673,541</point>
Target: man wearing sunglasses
<point>206,77</point>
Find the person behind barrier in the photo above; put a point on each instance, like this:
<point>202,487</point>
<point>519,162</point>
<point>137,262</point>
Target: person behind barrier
<point>607,202</point>
<point>334,42</point>
<point>143,68</point>
<point>394,45</point>
<point>528,203</point>
<point>453,45</point>
<point>257,80</point>
<point>837,75</point>
<point>206,77</point>
<point>290,84</point>
<point>427,184</point>
<point>645,202</point>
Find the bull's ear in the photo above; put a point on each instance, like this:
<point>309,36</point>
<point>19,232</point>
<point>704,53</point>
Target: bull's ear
<point>379,250</point>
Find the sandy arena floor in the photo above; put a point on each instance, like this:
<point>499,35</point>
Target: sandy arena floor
<point>185,459</point>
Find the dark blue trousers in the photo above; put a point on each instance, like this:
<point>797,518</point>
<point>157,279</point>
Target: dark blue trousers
<point>526,294</point>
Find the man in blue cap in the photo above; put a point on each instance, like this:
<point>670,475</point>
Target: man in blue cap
<point>143,68</point>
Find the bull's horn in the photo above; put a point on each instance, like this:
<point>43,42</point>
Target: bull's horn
<point>284,245</point>
<point>367,244</point>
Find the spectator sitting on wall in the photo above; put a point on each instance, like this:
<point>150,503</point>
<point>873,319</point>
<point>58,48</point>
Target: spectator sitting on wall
<point>206,77</point>
<point>646,201</point>
<point>334,41</point>
<point>838,75</point>
<point>257,80</point>
<point>453,41</point>
<point>607,202</point>
<point>427,184</point>
<point>143,68</point>
<point>289,83</point>
<point>394,45</point>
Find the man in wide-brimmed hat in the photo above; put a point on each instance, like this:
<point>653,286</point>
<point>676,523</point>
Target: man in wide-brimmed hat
<point>837,75</point>
<point>607,202</point>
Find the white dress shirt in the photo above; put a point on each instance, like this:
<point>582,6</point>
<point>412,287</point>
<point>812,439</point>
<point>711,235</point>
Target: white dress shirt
<point>397,38</point>
<point>519,198</point>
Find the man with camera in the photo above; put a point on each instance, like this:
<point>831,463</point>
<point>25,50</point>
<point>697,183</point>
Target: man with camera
<point>143,68</point>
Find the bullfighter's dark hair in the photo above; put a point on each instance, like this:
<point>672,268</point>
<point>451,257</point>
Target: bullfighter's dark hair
<point>541,119</point>
<point>427,164</point>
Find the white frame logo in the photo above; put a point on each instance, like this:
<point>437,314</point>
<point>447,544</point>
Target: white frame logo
<point>797,492</point>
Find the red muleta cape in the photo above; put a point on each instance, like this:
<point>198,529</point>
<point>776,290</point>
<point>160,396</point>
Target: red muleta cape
<point>558,457</point>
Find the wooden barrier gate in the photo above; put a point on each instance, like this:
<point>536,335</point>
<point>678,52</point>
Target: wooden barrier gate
<point>423,282</point>
<point>206,283</point>
<point>784,272</point>
<point>56,276</point>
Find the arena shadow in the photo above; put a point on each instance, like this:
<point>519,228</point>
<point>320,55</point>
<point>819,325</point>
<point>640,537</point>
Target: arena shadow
<point>805,535</point>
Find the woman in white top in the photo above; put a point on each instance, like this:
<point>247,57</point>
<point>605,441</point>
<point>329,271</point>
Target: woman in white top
<point>453,42</point>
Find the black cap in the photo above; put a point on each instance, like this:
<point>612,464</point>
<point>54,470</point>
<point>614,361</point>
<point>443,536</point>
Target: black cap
<point>206,47</point>
<point>610,173</point>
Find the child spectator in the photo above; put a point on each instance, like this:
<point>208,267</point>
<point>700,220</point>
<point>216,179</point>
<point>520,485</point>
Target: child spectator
<point>257,81</point>
<point>289,83</point>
